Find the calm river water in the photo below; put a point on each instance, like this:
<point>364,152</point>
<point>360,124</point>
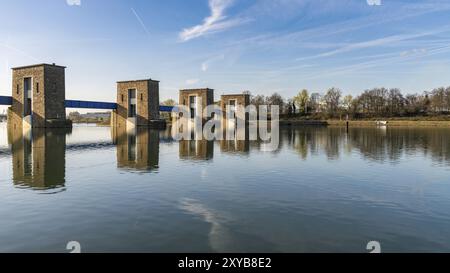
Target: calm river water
<point>323,190</point>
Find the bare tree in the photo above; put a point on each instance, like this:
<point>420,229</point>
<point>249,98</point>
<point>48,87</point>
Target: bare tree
<point>275,99</point>
<point>332,99</point>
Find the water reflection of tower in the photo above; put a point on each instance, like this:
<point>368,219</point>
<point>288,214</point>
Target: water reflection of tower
<point>196,147</point>
<point>39,158</point>
<point>137,149</point>
<point>239,143</point>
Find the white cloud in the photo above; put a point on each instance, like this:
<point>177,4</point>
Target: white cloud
<point>374,2</point>
<point>192,81</point>
<point>205,66</point>
<point>216,22</point>
<point>73,2</point>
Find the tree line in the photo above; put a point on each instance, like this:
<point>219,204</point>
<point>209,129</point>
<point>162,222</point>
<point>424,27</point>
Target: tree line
<point>376,102</point>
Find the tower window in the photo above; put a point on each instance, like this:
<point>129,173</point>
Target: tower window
<point>37,88</point>
<point>132,103</point>
<point>193,106</point>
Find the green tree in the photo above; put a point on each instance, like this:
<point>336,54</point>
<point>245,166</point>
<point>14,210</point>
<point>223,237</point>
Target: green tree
<point>301,101</point>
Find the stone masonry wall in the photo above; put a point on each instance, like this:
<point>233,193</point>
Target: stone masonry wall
<point>37,75</point>
<point>48,97</point>
<point>207,96</point>
<point>147,101</point>
<point>55,93</point>
<point>241,99</point>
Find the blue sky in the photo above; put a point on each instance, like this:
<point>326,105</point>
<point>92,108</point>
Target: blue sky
<point>264,46</point>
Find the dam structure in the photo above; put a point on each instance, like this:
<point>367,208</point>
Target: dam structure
<point>38,100</point>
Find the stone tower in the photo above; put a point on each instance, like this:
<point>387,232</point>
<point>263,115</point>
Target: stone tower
<point>138,104</point>
<point>231,101</point>
<point>197,100</point>
<point>236,104</point>
<point>39,94</point>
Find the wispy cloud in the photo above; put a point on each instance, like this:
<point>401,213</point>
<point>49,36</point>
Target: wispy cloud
<point>374,43</point>
<point>73,2</point>
<point>378,62</point>
<point>206,64</point>
<point>17,50</point>
<point>315,33</point>
<point>140,21</point>
<point>374,2</point>
<point>216,22</point>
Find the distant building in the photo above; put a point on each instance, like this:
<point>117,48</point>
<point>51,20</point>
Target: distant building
<point>316,102</point>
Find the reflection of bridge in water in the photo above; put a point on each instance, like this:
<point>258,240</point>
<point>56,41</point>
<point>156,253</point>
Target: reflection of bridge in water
<point>39,155</point>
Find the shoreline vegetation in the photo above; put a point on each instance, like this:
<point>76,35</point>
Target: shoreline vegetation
<point>368,123</point>
<point>391,122</point>
<point>429,108</point>
<point>371,108</point>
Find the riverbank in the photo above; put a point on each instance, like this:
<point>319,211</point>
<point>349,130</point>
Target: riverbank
<point>352,123</point>
<point>100,124</point>
<point>406,122</point>
<point>396,123</point>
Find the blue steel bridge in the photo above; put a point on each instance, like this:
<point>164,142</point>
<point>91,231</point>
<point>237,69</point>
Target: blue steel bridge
<point>6,100</point>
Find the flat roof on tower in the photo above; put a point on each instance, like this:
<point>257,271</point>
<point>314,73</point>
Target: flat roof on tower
<point>144,80</point>
<point>196,89</point>
<point>36,65</point>
<point>234,95</point>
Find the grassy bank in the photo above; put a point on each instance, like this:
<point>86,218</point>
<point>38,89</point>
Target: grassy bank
<point>393,122</point>
<point>426,121</point>
<point>98,123</point>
